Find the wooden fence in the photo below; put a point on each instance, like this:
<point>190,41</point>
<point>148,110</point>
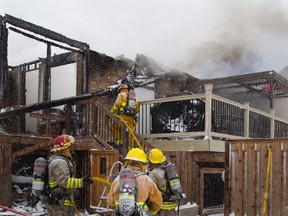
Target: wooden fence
<point>250,172</point>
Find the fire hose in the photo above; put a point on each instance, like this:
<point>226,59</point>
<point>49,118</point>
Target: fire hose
<point>11,210</point>
<point>101,180</point>
<point>130,131</point>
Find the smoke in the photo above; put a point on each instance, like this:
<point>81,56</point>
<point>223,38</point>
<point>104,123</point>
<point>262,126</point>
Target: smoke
<point>249,36</point>
<point>207,39</point>
<point>219,59</point>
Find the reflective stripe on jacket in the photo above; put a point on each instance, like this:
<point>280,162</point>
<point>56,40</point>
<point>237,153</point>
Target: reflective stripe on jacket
<point>146,191</point>
<point>168,205</point>
<point>120,103</point>
<point>61,178</point>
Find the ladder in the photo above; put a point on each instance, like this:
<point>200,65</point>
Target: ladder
<point>100,210</point>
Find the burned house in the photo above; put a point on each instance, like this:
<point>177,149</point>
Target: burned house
<point>192,121</point>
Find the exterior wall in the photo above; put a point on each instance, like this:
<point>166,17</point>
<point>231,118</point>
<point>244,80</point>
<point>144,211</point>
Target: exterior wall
<point>173,82</point>
<point>143,93</point>
<point>104,71</point>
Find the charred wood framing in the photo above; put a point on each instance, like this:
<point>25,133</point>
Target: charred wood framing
<point>5,173</point>
<point>3,58</point>
<point>42,40</point>
<point>33,148</point>
<point>48,104</point>
<point>22,100</point>
<point>47,76</point>
<point>30,66</point>
<point>44,32</point>
<point>24,140</point>
<point>83,48</point>
<point>57,60</point>
<point>63,59</point>
<point>84,69</point>
<point>11,146</point>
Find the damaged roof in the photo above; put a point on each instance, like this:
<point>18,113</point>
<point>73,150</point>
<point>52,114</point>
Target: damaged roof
<point>265,83</point>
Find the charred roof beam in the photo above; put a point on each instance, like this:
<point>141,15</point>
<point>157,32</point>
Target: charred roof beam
<point>43,40</point>
<point>44,32</point>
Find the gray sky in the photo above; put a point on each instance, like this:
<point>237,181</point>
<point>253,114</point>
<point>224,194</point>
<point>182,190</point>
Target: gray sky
<point>208,38</point>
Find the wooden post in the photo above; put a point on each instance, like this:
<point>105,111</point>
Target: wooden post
<point>272,124</point>
<point>3,60</point>
<point>47,76</point>
<point>246,120</point>
<point>6,174</point>
<point>208,110</point>
<point>68,117</point>
<point>227,190</point>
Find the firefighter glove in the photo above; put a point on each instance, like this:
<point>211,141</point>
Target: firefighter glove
<point>86,181</point>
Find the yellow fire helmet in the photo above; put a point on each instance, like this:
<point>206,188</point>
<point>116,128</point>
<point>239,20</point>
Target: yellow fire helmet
<point>136,154</point>
<point>156,156</point>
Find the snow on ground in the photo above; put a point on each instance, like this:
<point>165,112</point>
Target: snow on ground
<point>39,210</point>
<point>24,208</point>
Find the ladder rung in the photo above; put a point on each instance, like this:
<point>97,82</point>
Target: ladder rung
<point>101,211</point>
<point>103,198</point>
<point>114,175</point>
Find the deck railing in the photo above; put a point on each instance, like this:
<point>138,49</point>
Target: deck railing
<point>206,116</point>
<point>104,125</point>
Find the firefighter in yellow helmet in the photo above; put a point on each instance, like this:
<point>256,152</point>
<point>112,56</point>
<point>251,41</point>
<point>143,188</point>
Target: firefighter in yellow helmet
<point>126,107</point>
<point>147,191</point>
<point>62,183</point>
<point>157,174</point>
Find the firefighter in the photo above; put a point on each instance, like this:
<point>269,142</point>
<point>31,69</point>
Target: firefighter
<point>157,173</point>
<point>62,183</point>
<point>122,108</point>
<point>147,192</point>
